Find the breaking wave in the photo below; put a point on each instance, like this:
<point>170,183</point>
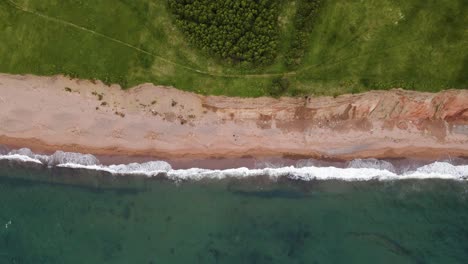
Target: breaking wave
<point>356,170</point>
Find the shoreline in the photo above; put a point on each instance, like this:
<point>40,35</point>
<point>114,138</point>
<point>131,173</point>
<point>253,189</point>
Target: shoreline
<point>72,168</point>
<point>47,114</point>
<point>409,152</point>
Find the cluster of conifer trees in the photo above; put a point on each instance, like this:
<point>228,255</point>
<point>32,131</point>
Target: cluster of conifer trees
<point>240,31</point>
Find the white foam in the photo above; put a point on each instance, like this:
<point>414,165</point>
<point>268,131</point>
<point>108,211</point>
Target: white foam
<point>19,157</point>
<point>371,163</point>
<point>60,157</point>
<point>442,170</point>
<point>445,171</point>
<point>358,170</point>
<point>148,168</point>
<point>28,153</point>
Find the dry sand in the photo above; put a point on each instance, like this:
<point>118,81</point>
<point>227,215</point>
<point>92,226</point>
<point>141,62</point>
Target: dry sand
<point>59,113</point>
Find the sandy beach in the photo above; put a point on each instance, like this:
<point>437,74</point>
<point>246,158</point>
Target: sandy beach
<point>59,113</point>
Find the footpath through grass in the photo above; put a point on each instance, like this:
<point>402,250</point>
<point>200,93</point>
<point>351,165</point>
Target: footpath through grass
<point>352,46</point>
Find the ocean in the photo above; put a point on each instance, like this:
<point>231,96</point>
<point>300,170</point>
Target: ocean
<point>67,208</point>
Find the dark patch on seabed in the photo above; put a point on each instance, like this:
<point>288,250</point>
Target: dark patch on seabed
<point>387,242</point>
<point>53,215</point>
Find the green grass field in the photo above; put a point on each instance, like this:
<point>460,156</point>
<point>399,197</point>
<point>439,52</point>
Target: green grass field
<point>354,46</point>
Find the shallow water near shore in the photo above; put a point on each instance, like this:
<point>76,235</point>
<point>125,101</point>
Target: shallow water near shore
<point>64,215</point>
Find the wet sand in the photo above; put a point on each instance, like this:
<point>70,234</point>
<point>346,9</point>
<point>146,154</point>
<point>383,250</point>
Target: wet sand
<point>59,113</point>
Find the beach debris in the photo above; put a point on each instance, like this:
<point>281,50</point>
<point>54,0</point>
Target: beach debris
<point>174,103</point>
<point>182,120</point>
<point>100,96</point>
<point>120,114</point>
<point>68,89</point>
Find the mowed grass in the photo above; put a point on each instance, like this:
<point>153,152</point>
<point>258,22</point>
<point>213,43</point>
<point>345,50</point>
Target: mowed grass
<point>355,46</point>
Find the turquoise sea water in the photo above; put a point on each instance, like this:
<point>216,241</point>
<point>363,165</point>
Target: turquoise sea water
<point>72,216</point>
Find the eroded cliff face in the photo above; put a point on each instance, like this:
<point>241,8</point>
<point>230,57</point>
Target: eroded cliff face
<point>436,114</point>
<point>76,115</point>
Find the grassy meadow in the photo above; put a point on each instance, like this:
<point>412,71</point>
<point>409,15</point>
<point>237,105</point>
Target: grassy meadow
<point>353,46</point>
